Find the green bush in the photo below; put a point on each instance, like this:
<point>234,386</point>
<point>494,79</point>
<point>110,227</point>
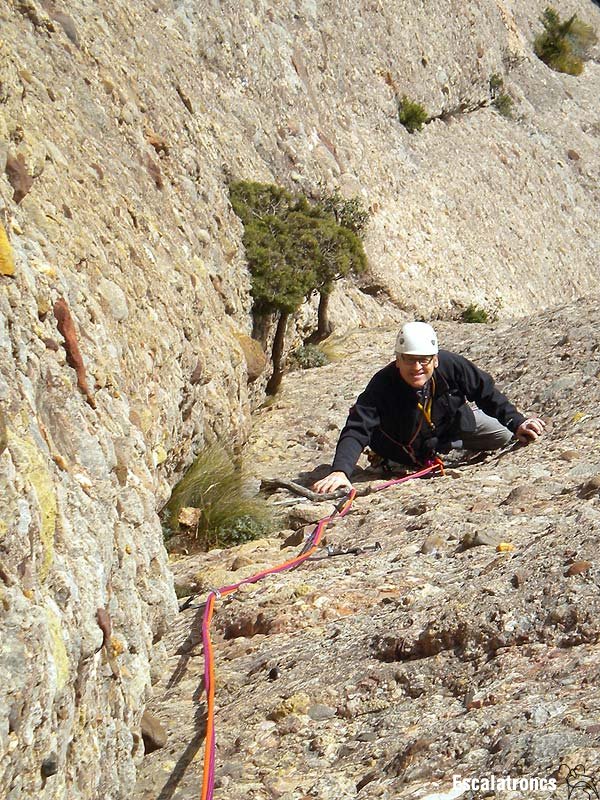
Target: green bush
<point>474,313</point>
<point>229,513</point>
<point>242,529</point>
<point>412,115</point>
<point>496,84</point>
<point>309,356</point>
<point>564,46</point>
<point>501,100</point>
<point>504,105</point>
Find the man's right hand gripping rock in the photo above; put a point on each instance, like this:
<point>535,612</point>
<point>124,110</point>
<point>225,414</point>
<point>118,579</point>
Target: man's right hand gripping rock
<point>334,481</point>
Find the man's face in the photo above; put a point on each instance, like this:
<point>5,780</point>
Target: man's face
<point>416,370</point>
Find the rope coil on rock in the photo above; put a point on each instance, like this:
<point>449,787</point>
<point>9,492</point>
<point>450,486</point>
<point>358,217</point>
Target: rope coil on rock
<point>307,551</point>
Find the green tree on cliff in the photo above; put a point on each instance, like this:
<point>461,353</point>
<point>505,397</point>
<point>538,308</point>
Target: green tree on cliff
<point>280,258</point>
<point>293,248</point>
<point>340,224</point>
<point>564,46</point>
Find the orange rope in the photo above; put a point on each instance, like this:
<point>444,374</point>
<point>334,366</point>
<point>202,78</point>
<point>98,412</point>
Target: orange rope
<point>209,667</point>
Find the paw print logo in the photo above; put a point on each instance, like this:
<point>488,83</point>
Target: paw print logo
<point>581,786</point>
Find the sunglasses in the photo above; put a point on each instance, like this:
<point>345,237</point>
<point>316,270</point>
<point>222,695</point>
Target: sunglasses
<point>424,361</point>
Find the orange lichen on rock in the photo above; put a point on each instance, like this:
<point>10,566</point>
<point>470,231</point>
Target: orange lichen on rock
<point>66,327</point>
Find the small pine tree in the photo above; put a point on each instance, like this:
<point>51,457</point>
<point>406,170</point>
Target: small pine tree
<point>341,252</point>
<point>280,260</point>
<point>501,100</point>
<point>496,84</point>
<point>563,46</point>
<point>293,248</point>
<point>251,200</point>
<point>504,105</point>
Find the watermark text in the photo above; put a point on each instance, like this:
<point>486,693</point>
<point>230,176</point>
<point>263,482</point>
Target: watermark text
<point>505,783</point>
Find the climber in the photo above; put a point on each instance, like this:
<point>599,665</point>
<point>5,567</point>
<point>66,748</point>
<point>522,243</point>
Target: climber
<point>420,405</point>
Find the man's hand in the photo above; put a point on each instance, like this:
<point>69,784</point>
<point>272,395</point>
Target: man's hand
<point>530,430</point>
<point>335,480</point>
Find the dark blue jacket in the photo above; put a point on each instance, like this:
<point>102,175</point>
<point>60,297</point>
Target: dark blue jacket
<point>386,415</point>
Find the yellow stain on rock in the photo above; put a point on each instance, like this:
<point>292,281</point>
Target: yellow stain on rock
<point>3,433</point>
<point>43,267</point>
<point>296,704</point>
<point>7,262</point>
<point>59,650</point>
<point>160,455</point>
<point>505,547</point>
<point>146,420</point>
<point>303,589</point>
<point>34,468</point>
<point>199,266</point>
<point>579,416</point>
<point>116,646</point>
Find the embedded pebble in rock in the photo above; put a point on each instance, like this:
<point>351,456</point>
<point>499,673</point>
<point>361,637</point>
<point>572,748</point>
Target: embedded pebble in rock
<point>240,561</point>
<point>432,544</point>
<point>115,299</point>
<point>321,712</point>
<point>569,455</point>
<point>303,513</point>
<point>578,568</point>
<point>520,496</point>
<point>478,539</point>
<point>590,488</point>
<point>297,537</point>
<point>153,733</point>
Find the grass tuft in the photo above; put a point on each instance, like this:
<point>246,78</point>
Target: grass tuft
<point>474,313</point>
<point>229,514</point>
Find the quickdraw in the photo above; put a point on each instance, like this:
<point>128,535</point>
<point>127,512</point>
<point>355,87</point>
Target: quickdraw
<point>331,551</point>
<point>308,550</point>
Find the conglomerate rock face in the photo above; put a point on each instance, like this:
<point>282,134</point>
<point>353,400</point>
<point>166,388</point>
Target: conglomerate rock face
<point>467,645</point>
<point>124,295</point>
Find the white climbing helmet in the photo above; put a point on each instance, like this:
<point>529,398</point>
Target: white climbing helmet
<point>418,339</point>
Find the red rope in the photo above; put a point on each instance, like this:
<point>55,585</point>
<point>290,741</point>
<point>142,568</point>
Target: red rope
<point>209,666</point>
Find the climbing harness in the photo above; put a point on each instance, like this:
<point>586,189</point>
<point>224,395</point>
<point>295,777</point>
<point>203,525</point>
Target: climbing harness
<point>310,547</point>
<point>424,406</point>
